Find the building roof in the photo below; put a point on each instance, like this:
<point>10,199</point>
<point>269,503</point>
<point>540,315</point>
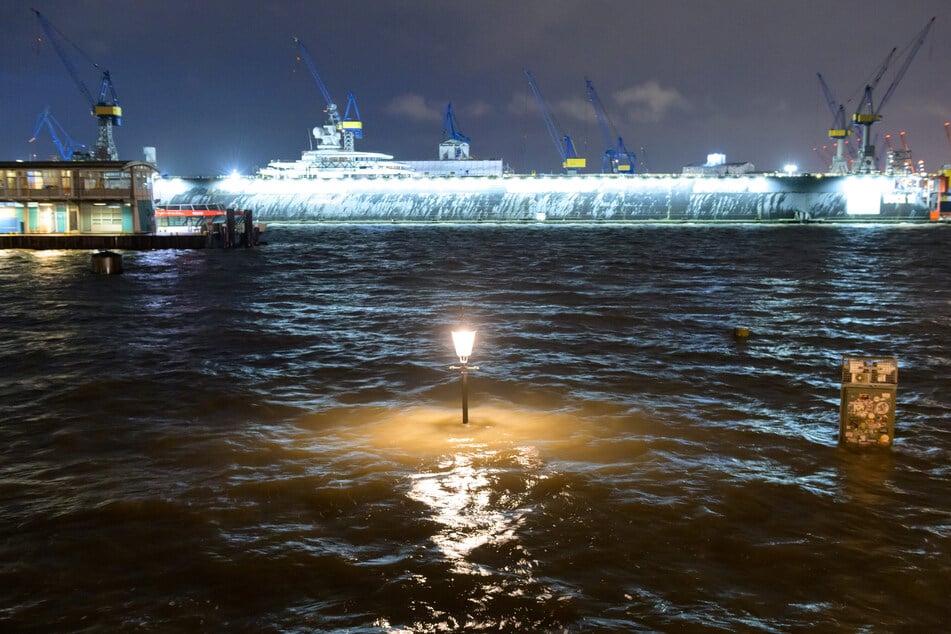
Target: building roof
<point>95,165</point>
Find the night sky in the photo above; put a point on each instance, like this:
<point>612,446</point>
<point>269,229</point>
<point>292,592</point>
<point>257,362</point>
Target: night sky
<point>215,85</point>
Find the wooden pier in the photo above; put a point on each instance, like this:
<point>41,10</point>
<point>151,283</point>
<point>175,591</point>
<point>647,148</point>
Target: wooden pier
<point>130,242</point>
<point>224,235</point>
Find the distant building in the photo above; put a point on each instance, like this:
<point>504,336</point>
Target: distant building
<point>454,150</point>
<point>454,156</point>
<point>81,197</point>
<point>447,167</point>
<point>716,165</point>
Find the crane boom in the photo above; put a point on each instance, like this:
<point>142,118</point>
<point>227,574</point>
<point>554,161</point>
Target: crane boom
<point>616,158</point>
<point>450,129</point>
<point>68,148</point>
<point>830,100</point>
<point>546,115</point>
<point>304,55</point>
<point>106,108</point>
<point>866,103</point>
<point>338,130</point>
<point>868,114</point>
<point>915,47</point>
<point>55,35</point>
<point>570,159</point>
<point>837,109</point>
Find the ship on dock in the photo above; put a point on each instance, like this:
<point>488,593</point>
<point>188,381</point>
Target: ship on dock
<point>334,157</point>
<point>777,198</point>
<point>333,182</point>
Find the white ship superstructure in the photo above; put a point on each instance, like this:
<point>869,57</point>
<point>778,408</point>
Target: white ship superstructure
<point>336,163</point>
<point>334,157</point>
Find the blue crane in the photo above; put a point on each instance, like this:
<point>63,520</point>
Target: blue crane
<point>353,124</point>
<point>345,129</point>
<point>106,108</point>
<point>454,145</point>
<point>616,158</point>
<point>68,148</point>
<point>868,113</point>
<point>570,159</point>
<point>450,130</point>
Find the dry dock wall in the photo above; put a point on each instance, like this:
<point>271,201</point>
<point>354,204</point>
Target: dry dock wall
<point>569,198</point>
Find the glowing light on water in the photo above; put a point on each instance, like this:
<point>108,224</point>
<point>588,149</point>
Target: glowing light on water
<point>48,254</point>
<point>461,494</point>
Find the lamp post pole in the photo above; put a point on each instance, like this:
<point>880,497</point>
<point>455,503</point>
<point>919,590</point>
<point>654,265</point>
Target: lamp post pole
<point>465,394</point>
<point>463,340</point>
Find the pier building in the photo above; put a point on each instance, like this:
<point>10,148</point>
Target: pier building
<point>77,198</point>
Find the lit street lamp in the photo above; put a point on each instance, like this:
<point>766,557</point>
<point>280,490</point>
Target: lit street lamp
<point>463,340</point>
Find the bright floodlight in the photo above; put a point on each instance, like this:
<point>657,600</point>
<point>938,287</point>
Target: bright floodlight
<point>790,168</point>
<point>463,340</point>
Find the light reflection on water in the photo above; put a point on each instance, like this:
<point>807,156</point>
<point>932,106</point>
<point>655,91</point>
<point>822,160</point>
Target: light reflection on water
<point>270,440</point>
<point>460,494</point>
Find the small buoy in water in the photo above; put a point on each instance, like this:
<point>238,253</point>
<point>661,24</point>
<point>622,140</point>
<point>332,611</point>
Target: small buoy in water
<point>741,333</point>
<point>107,263</point>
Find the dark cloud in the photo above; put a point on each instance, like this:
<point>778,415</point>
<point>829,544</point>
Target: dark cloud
<point>415,108</point>
<point>215,84</point>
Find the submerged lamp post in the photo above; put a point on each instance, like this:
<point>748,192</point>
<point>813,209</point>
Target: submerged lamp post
<point>463,340</point>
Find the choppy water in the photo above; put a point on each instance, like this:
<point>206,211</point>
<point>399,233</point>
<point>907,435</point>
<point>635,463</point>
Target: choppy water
<point>270,440</point>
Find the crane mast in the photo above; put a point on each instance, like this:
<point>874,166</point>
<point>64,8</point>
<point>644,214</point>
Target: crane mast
<point>570,159</point>
<point>106,108</point>
<point>839,131</point>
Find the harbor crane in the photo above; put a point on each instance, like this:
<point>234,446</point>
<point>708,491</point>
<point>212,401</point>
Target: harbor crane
<point>570,159</point>
<point>339,132</point>
<point>454,144</point>
<point>839,132</point>
<point>616,158</point>
<point>868,113</point>
<point>450,128</point>
<point>354,125</point>
<point>69,149</point>
<point>106,108</point>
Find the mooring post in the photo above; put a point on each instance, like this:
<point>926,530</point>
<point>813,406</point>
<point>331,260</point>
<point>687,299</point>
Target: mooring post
<point>229,229</point>
<point>248,228</point>
<point>106,262</point>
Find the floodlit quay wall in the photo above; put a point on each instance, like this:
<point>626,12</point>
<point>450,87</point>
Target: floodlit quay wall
<point>598,198</point>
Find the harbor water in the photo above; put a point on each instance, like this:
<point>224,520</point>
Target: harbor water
<point>270,440</point>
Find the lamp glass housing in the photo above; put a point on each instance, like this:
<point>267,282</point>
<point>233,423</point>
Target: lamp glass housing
<point>463,340</point>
